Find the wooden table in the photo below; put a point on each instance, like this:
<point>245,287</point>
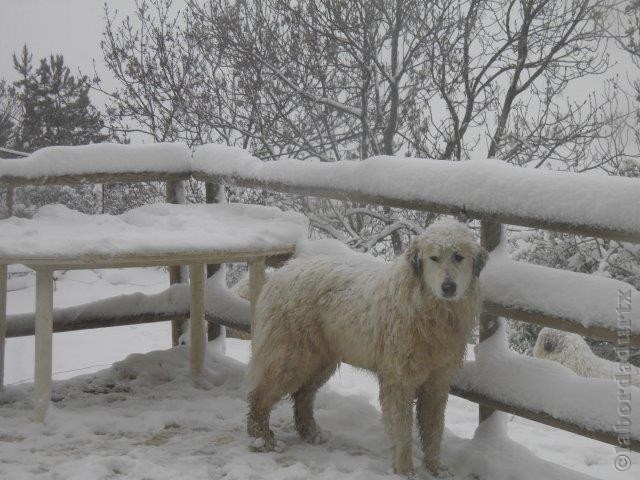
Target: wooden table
<point>273,233</point>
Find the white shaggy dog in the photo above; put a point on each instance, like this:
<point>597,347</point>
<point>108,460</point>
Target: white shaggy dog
<point>407,321</point>
<point>570,350</point>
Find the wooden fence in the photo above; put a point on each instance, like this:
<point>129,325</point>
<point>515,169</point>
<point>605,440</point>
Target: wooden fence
<point>491,227</point>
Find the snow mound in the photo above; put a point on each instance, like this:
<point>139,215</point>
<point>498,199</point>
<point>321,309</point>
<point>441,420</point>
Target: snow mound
<point>143,418</point>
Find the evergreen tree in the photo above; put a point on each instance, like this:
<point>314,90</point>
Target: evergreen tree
<point>56,109</point>
<point>8,111</point>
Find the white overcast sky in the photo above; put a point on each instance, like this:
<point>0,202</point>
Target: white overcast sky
<point>74,28</point>
<point>70,27</point>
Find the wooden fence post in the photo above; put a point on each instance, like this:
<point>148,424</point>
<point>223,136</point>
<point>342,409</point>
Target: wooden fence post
<point>9,199</point>
<point>197,347</point>
<point>175,194</point>
<point>490,235</point>
<point>44,341</point>
<point>257,278</point>
<point>3,320</point>
<point>211,196</point>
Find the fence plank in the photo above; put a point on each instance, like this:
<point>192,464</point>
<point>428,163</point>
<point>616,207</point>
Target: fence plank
<point>99,177</point>
<point>175,194</point>
<point>197,345</point>
<point>490,235</point>
<point>542,417</point>
<point>3,320</point>
<point>256,281</point>
<point>44,339</point>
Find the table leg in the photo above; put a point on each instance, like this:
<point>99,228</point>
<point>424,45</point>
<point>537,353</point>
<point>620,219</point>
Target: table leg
<point>3,320</point>
<point>196,325</point>
<point>44,338</point>
<point>257,277</point>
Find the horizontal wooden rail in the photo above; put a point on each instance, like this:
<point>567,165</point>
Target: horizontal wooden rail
<point>559,323</point>
<point>84,262</point>
<point>100,177</point>
<point>22,325</point>
<point>629,235</point>
<point>543,417</point>
<point>19,325</point>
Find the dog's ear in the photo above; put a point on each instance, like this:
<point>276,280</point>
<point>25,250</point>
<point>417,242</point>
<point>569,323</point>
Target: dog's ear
<point>413,257</point>
<point>480,261</point>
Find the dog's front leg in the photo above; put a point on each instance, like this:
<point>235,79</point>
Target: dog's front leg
<point>397,412</point>
<point>432,401</point>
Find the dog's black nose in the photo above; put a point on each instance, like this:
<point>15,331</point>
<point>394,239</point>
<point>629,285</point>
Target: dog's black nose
<point>448,288</point>
<point>549,345</point>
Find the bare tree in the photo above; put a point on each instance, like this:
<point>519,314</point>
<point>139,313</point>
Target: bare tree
<point>333,80</point>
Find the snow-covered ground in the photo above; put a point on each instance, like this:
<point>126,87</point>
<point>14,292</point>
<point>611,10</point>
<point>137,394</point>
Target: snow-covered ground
<point>142,418</point>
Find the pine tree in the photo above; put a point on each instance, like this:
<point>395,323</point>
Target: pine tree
<point>56,109</point>
<point>8,112</point>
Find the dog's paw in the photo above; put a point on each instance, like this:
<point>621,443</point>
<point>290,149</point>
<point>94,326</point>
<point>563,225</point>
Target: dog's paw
<point>316,436</point>
<point>259,444</point>
<point>409,475</point>
<point>278,446</point>
<point>438,470</point>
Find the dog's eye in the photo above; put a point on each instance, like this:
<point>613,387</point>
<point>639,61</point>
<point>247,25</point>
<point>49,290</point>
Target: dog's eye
<point>434,258</point>
<point>457,257</point>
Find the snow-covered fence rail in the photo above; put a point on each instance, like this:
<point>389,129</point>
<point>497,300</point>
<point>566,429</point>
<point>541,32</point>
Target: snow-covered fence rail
<point>99,163</point>
<point>583,204</point>
<point>136,308</point>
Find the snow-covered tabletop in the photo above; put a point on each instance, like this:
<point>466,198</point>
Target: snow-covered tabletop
<point>161,234</point>
<point>57,235</point>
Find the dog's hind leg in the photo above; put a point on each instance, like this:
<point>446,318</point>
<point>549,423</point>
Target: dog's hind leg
<point>273,378</point>
<point>261,401</point>
<point>303,400</point>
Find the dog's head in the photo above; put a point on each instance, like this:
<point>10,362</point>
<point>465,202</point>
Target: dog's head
<point>446,259</point>
<point>553,343</point>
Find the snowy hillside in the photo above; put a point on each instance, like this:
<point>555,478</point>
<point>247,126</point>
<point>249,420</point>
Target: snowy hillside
<point>142,418</point>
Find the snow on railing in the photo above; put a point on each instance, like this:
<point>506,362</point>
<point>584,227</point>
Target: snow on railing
<point>97,163</point>
<point>590,204</point>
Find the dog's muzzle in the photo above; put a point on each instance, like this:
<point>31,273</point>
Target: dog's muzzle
<point>448,288</point>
